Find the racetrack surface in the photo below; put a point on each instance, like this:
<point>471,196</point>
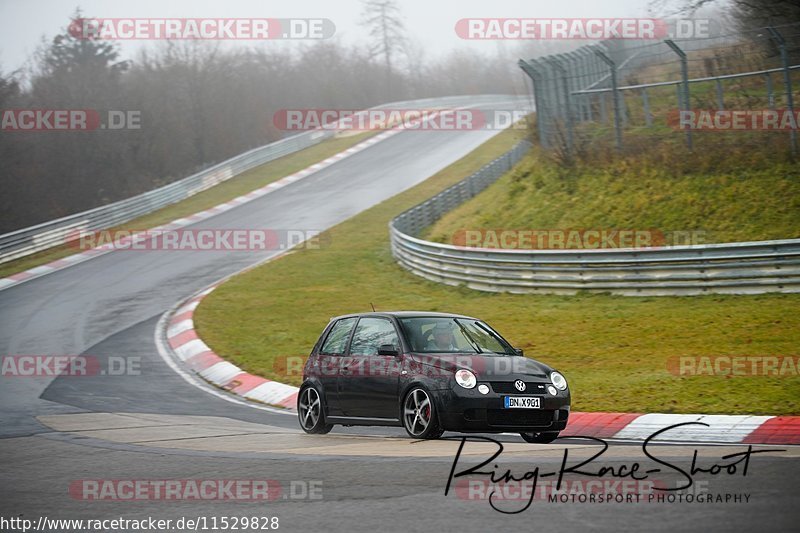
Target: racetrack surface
<point>155,425</point>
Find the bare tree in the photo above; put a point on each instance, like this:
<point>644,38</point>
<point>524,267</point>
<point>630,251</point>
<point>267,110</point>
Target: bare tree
<point>387,31</point>
<point>199,104</point>
<point>749,14</point>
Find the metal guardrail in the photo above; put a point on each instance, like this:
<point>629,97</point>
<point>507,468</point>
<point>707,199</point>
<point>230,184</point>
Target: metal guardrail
<point>736,268</point>
<point>40,237</point>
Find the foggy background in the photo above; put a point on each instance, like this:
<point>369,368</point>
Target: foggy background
<point>202,102</point>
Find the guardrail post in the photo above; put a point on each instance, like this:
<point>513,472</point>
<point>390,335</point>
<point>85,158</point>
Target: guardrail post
<point>614,93</point>
<point>787,83</point>
<point>686,104</point>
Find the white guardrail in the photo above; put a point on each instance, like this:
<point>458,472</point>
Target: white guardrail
<point>735,268</point>
<point>27,241</point>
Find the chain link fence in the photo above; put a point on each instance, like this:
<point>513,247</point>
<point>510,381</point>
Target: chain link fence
<point>625,84</point>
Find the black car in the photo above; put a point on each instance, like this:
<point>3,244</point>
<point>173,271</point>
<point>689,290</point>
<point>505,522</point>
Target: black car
<point>430,373</point>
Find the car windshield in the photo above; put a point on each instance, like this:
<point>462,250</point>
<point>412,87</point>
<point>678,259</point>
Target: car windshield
<point>453,335</point>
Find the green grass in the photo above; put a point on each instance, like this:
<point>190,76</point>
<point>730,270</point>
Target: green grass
<point>722,192</point>
<point>614,350</point>
<point>228,190</point>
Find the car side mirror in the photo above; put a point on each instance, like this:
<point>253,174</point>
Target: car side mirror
<point>388,349</point>
<point>518,351</point>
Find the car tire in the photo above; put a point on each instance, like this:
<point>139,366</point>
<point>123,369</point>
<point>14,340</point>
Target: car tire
<point>540,438</point>
<point>311,411</point>
<point>419,416</point>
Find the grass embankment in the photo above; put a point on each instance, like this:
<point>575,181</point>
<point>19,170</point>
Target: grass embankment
<point>614,350</point>
<point>722,192</point>
<point>228,190</point>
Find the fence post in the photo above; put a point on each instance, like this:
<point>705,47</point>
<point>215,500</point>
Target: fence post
<point>556,64</point>
<point>554,93</point>
<point>584,79</point>
<point>686,104</point>
<point>787,84</point>
<point>601,98</point>
<point>614,93</point>
<point>648,117</point>
<point>539,98</point>
<point>770,92</point>
<point>552,97</point>
<point>572,76</point>
<point>586,59</point>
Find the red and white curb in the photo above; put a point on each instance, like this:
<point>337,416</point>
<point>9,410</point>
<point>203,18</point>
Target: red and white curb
<point>745,429</point>
<point>187,346</point>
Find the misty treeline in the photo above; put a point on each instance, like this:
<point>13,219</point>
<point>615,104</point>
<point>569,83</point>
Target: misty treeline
<point>744,15</point>
<point>200,103</point>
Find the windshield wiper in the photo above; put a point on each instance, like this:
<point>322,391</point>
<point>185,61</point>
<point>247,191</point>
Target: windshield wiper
<point>494,335</point>
<point>477,347</point>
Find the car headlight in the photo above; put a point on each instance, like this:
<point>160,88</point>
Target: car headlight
<point>466,379</point>
<point>558,380</point>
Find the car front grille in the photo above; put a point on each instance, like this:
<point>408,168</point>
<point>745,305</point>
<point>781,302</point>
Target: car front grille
<point>519,417</point>
<point>507,387</point>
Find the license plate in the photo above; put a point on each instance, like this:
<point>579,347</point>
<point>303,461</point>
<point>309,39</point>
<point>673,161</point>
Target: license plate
<point>522,402</point>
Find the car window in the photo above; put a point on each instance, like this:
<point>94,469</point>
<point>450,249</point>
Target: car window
<point>370,334</point>
<point>451,335</point>
<point>337,338</point>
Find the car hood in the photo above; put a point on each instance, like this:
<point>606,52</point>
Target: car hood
<point>499,367</point>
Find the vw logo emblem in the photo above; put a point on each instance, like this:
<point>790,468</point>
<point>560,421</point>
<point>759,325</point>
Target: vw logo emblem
<point>520,385</point>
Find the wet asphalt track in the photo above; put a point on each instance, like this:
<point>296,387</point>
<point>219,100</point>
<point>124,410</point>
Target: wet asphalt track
<point>109,306</point>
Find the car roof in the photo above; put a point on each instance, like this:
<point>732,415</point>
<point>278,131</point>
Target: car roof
<point>405,314</point>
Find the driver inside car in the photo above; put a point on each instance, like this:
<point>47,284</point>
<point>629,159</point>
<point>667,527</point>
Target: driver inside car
<point>441,339</point>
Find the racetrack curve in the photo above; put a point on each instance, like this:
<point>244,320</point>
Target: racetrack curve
<point>155,426</point>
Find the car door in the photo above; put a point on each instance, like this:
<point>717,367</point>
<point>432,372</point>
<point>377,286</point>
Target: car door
<point>368,382</point>
<point>329,359</point>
